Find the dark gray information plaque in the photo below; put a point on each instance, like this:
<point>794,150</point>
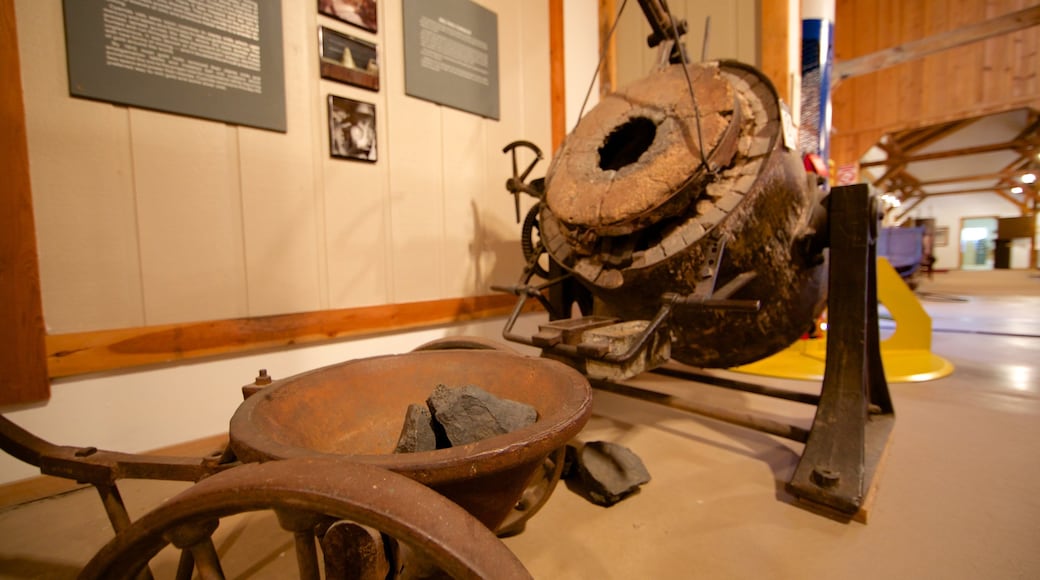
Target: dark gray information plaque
<point>215,59</point>
<point>451,54</point>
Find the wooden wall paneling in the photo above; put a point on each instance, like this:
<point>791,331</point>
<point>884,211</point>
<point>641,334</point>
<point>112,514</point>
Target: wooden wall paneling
<point>864,42</point>
<point>189,217</point>
<point>607,13</point>
<point>887,83</point>
<point>82,188</point>
<point>911,94</point>
<point>280,211</point>
<point>964,63</point>
<point>935,84</point>
<point>416,184</point>
<point>21,312</point>
<point>557,72</point>
<point>1026,63</point>
<point>775,34</point>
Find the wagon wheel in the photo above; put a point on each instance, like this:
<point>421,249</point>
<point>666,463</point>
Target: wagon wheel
<point>303,493</point>
<point>544,480</point>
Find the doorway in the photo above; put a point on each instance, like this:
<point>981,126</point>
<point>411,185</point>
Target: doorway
<point>977,242</point>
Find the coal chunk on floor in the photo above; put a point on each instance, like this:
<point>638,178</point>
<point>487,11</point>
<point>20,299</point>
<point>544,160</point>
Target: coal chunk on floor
<point>604,472</point>
<point>469,413</point>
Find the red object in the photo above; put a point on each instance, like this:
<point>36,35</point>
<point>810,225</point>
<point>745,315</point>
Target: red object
<point>815,164</point>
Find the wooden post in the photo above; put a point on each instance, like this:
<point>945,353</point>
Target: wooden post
<point>23,364</point>
<point>558,91</point>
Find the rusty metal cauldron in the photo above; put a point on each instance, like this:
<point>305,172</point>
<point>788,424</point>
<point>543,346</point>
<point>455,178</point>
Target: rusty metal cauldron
<point>635,210</point>
<point>356,409</point>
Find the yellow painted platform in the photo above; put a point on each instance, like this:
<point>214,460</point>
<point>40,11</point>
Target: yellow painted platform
<point>906,354</point>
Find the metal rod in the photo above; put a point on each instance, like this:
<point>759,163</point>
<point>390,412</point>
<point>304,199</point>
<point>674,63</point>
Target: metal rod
<point>807,398</point>
<point>207,562</point>
<point>307,555</point>
<point>785,430</point>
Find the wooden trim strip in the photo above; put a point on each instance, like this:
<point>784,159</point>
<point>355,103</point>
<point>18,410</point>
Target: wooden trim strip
<point>105,350</point>
<point>44,486</point>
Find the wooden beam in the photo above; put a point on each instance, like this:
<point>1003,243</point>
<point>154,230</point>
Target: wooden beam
<point>916,49</point>
<point>608,72</point>
<point>90,352</point>
<point>1014,145</point>
<point>557,74</point>
<point>774,36</point>
<point>908,207</point>
<point>22,358</point>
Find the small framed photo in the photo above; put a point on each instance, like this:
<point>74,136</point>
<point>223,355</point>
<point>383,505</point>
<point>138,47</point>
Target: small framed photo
<point>360,13</point>
<point>348,60</point>
<point>352,129</point>
<point>942,236</point>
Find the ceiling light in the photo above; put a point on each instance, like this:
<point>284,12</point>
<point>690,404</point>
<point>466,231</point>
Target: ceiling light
<point>1016,190</point>
<point>1028,178</point>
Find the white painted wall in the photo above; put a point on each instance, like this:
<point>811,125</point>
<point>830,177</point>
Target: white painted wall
<point>948,210</point>
<point>581,56</point>
<point>144,410</point>
<point>148,218</point>
<point>733,34</point>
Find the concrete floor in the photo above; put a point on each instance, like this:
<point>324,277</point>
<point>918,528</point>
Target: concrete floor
<point>957,496</point>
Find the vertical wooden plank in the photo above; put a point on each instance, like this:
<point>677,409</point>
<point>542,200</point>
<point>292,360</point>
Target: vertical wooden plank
<point>865,42</point>
<point>934,85</point>
<point>773,27</point>
<point>608,72</point>
<point>887,80</point>
<point>911,73</point>
<point>557,73</point>
<point>844,94</point>
<point>22,354</point>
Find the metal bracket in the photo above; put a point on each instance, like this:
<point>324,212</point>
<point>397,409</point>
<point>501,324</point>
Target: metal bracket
<point>855,416</point>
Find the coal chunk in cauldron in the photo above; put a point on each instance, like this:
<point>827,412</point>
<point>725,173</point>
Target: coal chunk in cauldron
<point>460,415</point>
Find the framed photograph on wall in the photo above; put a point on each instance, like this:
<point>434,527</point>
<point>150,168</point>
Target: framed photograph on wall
<point>360,13</point>
<point>352,129</point>
<point>942,236</point>
<point>347,59</point>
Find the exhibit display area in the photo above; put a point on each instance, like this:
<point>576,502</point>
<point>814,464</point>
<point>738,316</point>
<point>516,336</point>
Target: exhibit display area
<point>680,236</point>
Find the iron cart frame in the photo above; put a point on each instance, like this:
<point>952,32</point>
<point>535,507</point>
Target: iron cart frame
<point>854,412</point>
